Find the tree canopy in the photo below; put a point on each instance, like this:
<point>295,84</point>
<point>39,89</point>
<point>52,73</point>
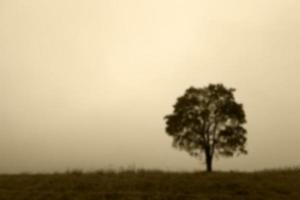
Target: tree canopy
<point>208,121</point>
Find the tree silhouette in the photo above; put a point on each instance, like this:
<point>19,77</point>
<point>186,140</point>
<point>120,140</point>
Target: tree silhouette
<point>208,121</point>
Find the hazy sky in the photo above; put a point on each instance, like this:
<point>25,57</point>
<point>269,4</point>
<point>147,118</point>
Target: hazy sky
<point>85,84</point>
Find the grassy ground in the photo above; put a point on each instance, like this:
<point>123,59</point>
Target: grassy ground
<point>152,185</point>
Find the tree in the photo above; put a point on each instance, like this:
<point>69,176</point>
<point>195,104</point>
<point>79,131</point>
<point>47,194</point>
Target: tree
<point>208,121</point>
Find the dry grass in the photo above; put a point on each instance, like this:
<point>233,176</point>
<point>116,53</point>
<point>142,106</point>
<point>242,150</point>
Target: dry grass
<point>152,185</point>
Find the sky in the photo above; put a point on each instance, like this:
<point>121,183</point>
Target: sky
<point>85,84</point>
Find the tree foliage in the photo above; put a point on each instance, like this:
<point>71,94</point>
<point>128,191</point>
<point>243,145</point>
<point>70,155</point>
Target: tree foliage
<point>208,121</point>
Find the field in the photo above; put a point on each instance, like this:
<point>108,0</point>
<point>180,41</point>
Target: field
<point>152,185</point>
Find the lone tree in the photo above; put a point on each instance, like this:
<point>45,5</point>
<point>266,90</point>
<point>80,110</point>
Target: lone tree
<point>208,121</point>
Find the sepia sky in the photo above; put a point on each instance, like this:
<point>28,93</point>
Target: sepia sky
<point>85,84</point>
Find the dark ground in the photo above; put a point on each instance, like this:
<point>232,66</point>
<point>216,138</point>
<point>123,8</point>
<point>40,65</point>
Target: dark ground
<point>152,185</point>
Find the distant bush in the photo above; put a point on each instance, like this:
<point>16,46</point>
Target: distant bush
<point>75,172</point>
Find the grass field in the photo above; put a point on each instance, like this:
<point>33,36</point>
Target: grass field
<point>152,185</point>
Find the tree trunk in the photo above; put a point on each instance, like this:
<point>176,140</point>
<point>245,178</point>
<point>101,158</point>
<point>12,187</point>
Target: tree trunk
<point>208,164</point>
<point>208,161</point>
